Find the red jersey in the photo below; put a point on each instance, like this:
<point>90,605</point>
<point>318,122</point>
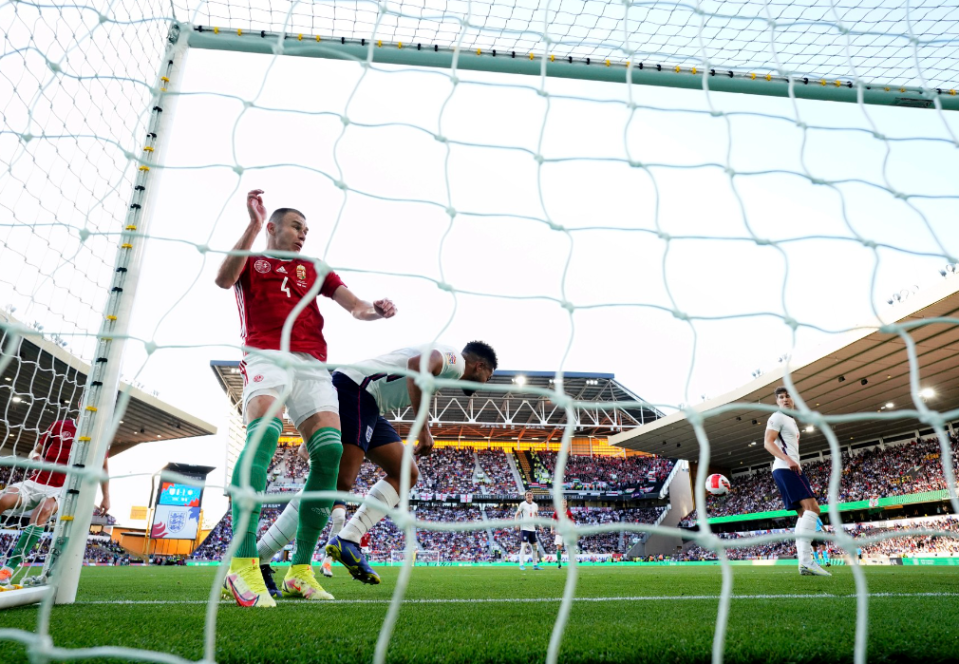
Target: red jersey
<point>55,448</point>
<point>267,291</point>
<point>569,515</point>
<point>365,540</point>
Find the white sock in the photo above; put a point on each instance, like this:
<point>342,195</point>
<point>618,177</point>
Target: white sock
<point>522,553</point>
<point>337,518</point>
<point>806,525</point>
<point>280,533</point>
<point>368,516</point>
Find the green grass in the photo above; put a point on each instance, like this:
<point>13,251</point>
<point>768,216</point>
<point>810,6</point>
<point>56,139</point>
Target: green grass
<point>814,628</point>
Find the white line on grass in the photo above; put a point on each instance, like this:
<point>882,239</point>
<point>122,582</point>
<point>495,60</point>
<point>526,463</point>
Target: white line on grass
<point>535,600</point>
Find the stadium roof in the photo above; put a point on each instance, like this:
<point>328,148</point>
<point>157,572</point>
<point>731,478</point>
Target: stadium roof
<point>830,379</point>
<point>44,382</point>
<point>512,415</point>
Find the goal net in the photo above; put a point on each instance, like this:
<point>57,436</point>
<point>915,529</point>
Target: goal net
<point>662,175</point>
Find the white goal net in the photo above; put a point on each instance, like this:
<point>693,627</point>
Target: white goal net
<point>581,169</point>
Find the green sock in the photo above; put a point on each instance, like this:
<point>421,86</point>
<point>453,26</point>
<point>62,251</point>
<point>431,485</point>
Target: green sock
<point>261,461</point>
<point>325,451</point>
<point>27,540</point>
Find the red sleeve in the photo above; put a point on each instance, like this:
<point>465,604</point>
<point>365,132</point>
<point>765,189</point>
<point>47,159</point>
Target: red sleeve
<point>330,284</point>
<point>244,281</point>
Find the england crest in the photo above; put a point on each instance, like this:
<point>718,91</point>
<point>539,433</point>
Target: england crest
<point>177,521</point>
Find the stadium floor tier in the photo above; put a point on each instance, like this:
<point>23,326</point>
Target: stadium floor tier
<point>502,615</point>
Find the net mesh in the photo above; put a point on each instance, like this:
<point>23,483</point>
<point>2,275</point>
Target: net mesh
<point>71,161</point>
<point>66,186</point>
<point>879,40</point>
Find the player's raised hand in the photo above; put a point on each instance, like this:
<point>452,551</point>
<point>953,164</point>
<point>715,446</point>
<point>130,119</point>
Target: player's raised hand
<point>254,204</point>
<point>385,308</point>
<point>424,446</point>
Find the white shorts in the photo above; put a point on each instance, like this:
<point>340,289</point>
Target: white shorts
<point>32,494</point>
<point>312,388</point>
<point>558,540</point>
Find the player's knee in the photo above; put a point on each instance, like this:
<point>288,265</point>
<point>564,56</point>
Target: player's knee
<point>326,455</point>
<point>45,512</point>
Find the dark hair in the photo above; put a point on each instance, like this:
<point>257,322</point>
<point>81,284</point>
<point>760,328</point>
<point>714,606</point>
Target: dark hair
<point>782,389</point>
<point>279,213</point>
<point>480,350</point>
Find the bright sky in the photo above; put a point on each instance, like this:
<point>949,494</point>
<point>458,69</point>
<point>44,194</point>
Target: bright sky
<point>611,264</point>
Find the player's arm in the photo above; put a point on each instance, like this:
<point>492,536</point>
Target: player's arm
<point>770,444</point>
<point>232,266</point>
<point>105,490</point>
<point>425,443</point>
<point>361,309</point>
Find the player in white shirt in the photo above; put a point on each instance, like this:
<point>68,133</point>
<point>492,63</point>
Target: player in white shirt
<point>365,394</point>
<point>782,441</point>
<point>526,512</point>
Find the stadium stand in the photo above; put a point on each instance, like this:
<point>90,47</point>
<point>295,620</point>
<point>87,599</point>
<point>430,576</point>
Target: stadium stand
<point>497,472</point>
<point>448,471</point>
<point>607,473</point>
<point>878,472</point>
<point>911,545</point>
<point>452,472</point>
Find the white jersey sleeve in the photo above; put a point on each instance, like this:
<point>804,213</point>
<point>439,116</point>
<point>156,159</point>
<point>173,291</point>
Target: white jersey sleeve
<point>787,438</point>
<point>382,376</point>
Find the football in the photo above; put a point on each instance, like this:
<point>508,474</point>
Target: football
<point>717,484</point>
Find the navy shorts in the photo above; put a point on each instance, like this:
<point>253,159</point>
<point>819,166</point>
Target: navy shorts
<point>793,487</point>
<point>360,421</point>
<point>527,536</point>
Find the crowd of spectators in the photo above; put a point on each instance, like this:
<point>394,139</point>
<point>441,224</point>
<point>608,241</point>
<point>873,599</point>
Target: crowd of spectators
<point>464,545</point>
<point>388,542</point>
<point>603,473</point>
<point>106,552</point>
<point>448,471</point>
<point>906,545</point>
<point>368,475</point>
<point>10,475</point>
<point>453,471</point>
<point>912,467</point>
<point>912,545</point>
<point>99,550</point>
<point>287,466</point>
<point>612,542</point>
<point>497,472</point>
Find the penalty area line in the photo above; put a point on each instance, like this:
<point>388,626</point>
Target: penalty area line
<point>538,600</point>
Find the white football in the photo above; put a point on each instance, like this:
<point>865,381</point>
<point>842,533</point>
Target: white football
<point>717,484</point>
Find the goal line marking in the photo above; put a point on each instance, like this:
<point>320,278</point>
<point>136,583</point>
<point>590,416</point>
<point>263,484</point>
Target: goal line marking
<point>538,600</point>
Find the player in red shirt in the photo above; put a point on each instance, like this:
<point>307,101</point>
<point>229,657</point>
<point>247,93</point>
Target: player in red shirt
<point>40,492</point>
<point>269,290</point>
<point>558,538</point>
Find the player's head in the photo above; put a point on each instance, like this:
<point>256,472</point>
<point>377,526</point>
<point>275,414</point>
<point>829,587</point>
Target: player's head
<point>286,230</point>
<point>565,504</point>
<point>480,359</point>
<point>529,496</point>
<point>783,398</point>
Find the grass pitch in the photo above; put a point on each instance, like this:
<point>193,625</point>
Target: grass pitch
<point>500,614</point>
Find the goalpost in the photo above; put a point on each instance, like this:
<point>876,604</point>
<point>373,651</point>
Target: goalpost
<point>91,92</point>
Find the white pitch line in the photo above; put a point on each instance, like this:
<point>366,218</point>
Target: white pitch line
<point>538,600</point>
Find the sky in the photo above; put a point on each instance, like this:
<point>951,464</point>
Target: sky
<point>625,246</point>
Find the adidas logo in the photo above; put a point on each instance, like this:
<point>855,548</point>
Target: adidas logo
<point>281,270</point>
